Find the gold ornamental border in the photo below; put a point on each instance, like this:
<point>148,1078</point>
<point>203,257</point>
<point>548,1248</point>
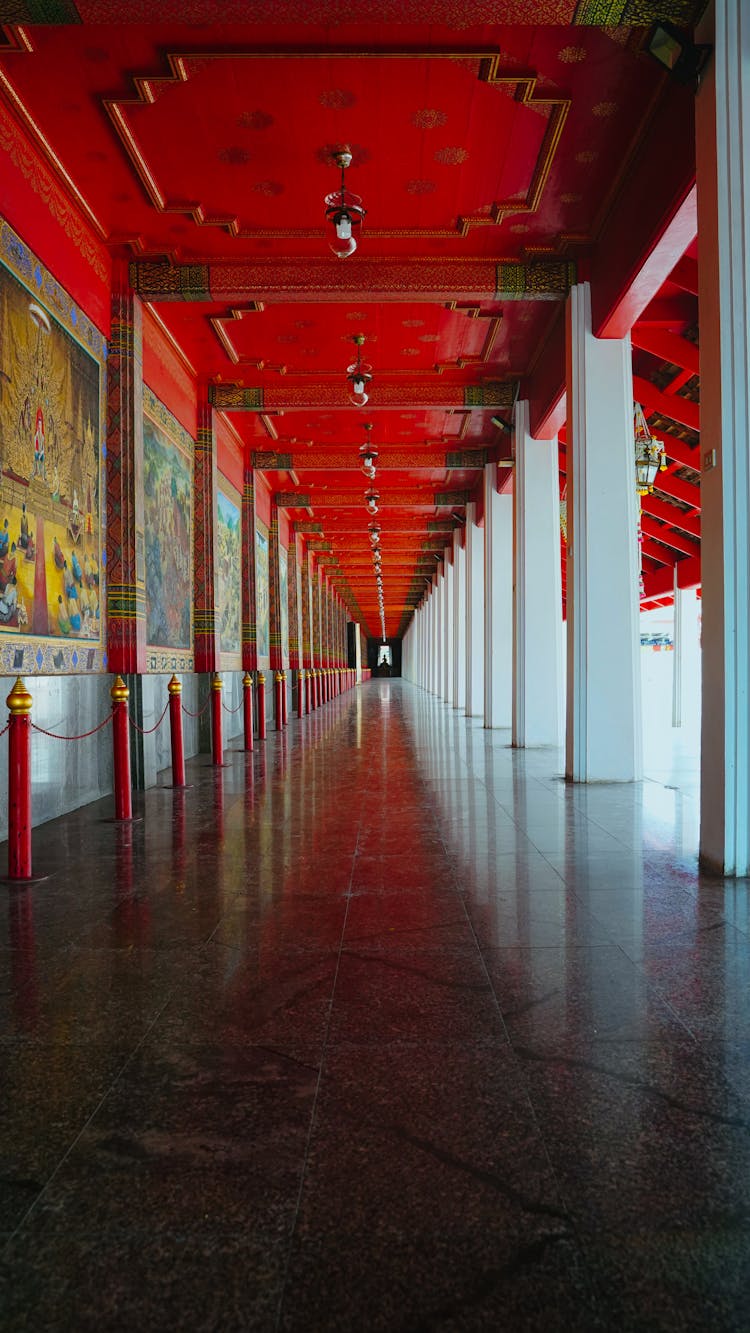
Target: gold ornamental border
<point>488,71</point>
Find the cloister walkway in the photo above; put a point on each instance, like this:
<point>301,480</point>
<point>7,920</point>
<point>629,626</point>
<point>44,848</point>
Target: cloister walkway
<point>382,1027</point>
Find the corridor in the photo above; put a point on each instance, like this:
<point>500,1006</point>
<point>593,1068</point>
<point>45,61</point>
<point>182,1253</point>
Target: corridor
<point>380,1027</point>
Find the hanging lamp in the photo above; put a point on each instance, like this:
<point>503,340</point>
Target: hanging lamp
<point>650,457</point>
<point>344,211</point>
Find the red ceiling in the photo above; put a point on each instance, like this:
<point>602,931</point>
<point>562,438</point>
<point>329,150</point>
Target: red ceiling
<point>213,143</point>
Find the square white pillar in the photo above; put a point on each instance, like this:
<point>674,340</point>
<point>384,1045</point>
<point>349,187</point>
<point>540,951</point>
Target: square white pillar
<point>603,740</point>
<point>459,620</point>
<point>537,599</point>
<point>722,154</point>
<point>498,603</point>
<point>448,571</point>
<point>474,569</point>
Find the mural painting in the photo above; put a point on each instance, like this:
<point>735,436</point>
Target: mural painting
<point>261,587</point>
<point>229,563</point>
<point>168,518</point>
<point>284,595</point>
<point>51,415</point>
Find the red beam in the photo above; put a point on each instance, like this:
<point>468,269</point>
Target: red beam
<point>670,538</point>
<point>667,346</point>
<point>683,491</point>
<point>668,404</point>
<point>652,221</point>
<point>656,552</point>
<point>545,386</point>
<point>685,275</point>
<point>661,583</point>
<point>666,311</point>
<point>651,504</point>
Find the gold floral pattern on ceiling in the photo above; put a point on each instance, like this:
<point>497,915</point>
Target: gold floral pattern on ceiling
<point>451,156</point>
<point>429,118</point>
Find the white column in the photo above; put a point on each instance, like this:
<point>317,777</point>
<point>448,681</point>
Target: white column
<point>448,572</point>
<point>498,603</point>
<point>537,596</point>
<point>459,620</point>
<point>437,666</point>
<point>474,615</point>
<point>722,154</point>
<point>603,741</point>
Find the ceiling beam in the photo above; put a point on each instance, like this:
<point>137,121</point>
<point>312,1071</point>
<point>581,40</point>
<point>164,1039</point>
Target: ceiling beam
<point>323,460</point>
<point>669,405</point>
<point>365,280</point>
<point>690,523</point>
<point>667,347</point>
<point>661,533</point>
<point>405,392</point>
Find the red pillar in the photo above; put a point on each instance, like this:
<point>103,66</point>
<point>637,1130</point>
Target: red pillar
<point>119,695</point>
<point>301,693</point>
<point>19,782</point>
<point>308,690</point>
<point>284,700</point>
<point>261,706</point>
<point>278,707</point>
<point>217,739</point>
<point>175,729</point>
<point>247,699</point>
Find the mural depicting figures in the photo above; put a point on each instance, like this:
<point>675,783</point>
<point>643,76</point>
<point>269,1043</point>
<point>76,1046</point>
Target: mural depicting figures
<point>50,469</point>
<point>168,519</point>
<point>284,594</point>
<point>229,564</point>
<point>261,588</point>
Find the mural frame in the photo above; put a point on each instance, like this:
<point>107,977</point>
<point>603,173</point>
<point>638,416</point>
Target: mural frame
<point>161,658</point>
<point>262,555</point>
<point>47,654</point>
<point>231,660</point>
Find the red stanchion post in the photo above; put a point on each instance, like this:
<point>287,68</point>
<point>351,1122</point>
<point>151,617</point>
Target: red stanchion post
<point>301,693</point>
<point>308,691</point>
<point>175,731</point>
<point>284,700</point>
<point>217,739</point>
<point>278,707</point>
<point>247,699</point>
<point>119,695</point>
<point>19,782</point>
<point>261,706</point>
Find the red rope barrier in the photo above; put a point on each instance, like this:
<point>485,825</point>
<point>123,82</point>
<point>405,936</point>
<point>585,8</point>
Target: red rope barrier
<point>233,710</point>
<point>83,736</point>
<point>147,731</point>
<point>5,728</point>
<point>199,714</point>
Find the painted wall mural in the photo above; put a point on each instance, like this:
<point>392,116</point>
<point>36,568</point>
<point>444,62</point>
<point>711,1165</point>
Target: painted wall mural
<point>261,586</point>
<point>168,519</point>
<point>52,567</point>
<point>284,595</point>
<point>229,563</point>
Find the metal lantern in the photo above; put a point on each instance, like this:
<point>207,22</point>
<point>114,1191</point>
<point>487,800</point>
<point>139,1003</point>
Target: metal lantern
<point>650,457</point>
<point>344,211</point>
<point>359,375</point>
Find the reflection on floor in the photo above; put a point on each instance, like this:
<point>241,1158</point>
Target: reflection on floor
<point>383,1027</point>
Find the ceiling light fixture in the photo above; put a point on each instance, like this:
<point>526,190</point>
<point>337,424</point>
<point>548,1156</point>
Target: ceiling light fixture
<point>373,531</point>
<point>650,457</point>
<point>344,211</point>
<point>359,374</point>
<point>371,500</point>
<point>369,455</point>
<point>676,52</point>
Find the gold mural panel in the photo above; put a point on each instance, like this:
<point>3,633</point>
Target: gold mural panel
<point>52,415</point>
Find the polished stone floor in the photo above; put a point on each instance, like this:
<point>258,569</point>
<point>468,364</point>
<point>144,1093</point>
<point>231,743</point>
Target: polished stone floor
<point>383,1027</point>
